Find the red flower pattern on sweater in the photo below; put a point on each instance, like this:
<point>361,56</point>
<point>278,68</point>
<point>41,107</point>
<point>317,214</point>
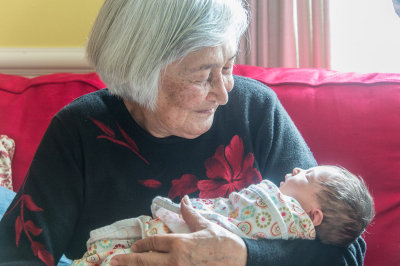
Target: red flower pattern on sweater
<point>227,171</point>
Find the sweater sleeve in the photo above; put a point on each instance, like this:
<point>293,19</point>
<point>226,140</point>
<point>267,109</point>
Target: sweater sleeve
<point>37,227</point>
<point>279,147</point>
<point>303,252</point>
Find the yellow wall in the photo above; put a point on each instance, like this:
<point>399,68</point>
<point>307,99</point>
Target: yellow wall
<point>46,23</point>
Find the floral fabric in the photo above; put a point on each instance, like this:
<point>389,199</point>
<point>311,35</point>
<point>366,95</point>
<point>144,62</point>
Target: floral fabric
<point>108,241</point>
<point>257,212</point>
<point>7,148</point>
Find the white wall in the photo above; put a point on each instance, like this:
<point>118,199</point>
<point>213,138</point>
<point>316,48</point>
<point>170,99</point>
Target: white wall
<point>365,36</point>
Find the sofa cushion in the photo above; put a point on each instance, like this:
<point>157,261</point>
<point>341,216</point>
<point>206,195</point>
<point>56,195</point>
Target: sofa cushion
<point>7,147</point>
<point>352,120</point>
<point>27,106</point>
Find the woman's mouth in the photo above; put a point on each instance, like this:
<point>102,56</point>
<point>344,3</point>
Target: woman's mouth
<point>209,111</point>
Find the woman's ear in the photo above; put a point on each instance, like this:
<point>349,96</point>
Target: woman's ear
<point>316,216</point>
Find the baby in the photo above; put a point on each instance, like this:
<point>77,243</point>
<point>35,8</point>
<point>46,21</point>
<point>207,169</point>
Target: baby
<point>324,202</point>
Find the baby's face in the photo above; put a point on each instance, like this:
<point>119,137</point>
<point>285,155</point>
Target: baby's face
<point>300,184</point>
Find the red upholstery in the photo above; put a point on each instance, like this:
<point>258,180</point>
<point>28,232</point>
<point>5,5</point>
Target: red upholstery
<point>352,120</point>
<point>348,119</point>
<point>27,106</point>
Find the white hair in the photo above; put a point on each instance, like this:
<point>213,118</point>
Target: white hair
<point>132,41</point>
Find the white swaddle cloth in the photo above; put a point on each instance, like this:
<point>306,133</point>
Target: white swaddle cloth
<point>259,211</point>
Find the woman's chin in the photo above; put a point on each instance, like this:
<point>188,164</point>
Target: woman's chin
<point>197,130</point>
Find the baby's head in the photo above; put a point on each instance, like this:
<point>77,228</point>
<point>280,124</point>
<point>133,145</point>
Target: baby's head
<point>337,202</point>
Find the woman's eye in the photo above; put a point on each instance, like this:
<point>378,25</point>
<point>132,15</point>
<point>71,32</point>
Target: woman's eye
<point>227,69</point>
<point>201,82</point>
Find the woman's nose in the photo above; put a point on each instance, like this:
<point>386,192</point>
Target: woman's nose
<point>219,89</point>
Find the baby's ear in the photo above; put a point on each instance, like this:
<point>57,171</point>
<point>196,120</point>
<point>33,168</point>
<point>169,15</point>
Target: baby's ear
<point>316,216</point>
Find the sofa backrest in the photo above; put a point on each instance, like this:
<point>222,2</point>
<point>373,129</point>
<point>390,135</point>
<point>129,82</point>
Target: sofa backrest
<point>348,119</point>
<point>352,120</point>
<point>27,106</point>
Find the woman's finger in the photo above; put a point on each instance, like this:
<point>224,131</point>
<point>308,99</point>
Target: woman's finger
<point>147,258</point>
<point>160,243</point>
<point>193,219</point>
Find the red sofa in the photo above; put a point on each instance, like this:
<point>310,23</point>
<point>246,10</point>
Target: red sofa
<point>346,118</point>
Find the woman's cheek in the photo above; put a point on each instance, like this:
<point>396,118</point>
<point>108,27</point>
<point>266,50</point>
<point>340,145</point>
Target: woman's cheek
<point>195,98</point>
<point>189,96</point>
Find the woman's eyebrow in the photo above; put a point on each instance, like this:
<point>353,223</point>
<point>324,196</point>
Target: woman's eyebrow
<point>209,66</point>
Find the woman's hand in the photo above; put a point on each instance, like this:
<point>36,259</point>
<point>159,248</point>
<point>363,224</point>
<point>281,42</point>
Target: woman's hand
<point>209,244</point>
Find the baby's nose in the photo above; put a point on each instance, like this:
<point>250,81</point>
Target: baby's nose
<point>296,170</point>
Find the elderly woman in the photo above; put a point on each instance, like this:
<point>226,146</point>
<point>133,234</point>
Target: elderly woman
<point>164,126</point>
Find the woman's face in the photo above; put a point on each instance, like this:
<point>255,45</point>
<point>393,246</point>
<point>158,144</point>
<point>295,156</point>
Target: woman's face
<point>190,92</point>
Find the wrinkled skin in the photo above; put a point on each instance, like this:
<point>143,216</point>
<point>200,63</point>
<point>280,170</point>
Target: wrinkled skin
<point>209,244</point>
<point>191,90</point>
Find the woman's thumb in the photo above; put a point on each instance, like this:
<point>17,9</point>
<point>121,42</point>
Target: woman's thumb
<point>192,217</point>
